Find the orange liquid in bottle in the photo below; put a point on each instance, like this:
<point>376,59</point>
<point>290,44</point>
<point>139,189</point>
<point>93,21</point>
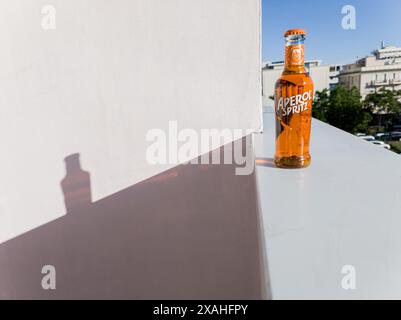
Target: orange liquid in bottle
<point>293,106</point>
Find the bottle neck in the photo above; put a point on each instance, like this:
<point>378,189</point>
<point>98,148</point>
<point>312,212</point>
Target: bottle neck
<point>72,164</point>
<point>294,55</point>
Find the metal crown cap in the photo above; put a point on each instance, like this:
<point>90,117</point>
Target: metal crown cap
<point>294,31</point>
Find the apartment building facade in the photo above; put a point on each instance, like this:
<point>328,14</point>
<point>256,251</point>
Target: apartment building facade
<point>382,69</point>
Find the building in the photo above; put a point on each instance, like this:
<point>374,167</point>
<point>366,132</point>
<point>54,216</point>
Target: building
<point>382,69</point>
<point>324,76</point>
<point>334,72</point>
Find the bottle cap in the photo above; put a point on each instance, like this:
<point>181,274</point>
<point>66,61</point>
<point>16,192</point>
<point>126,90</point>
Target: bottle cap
<point>294,32</point>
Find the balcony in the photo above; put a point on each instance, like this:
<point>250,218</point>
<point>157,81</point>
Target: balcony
<point>377,83</point>
<point>395,81</point>
<point>390,82</point>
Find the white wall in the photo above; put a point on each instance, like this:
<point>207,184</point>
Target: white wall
<point>109,72</point>
<point>269,81</point>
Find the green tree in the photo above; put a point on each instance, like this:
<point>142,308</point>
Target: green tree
<point>385,105</point>
<point>321,105</point>
<point>342,108</point>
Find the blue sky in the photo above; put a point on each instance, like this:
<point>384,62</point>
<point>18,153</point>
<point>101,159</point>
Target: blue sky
<point>376,20</point>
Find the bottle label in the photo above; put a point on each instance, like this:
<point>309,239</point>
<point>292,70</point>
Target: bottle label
<point>294,104</point>
<point>295,55</point>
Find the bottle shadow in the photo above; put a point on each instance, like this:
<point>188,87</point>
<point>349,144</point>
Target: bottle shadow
<point>265,162</point>
<point>76,185</point>
<point>191,232</point>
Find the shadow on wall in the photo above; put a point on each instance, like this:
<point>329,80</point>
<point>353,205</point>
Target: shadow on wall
<point>76,185</point>
<point>191,232</point>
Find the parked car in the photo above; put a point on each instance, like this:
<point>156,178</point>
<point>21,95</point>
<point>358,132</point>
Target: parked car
<point>383,135</point>
<point>360,134</point>
<point>368,138</point>
<point>395,135</point>
<point>382,144</point>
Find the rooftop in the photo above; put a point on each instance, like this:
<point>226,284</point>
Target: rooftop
<point>383,58</point>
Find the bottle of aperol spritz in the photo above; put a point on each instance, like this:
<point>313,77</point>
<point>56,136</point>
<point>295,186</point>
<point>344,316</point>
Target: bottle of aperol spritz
<point>293,105</point>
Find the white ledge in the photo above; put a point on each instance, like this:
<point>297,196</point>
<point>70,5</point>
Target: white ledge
<point>345,209</point>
